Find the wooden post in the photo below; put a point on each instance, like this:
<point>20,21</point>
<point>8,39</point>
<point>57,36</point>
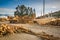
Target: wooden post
<point>43,7</point>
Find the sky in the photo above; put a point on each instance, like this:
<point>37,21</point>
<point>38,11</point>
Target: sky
<point>8,6</point>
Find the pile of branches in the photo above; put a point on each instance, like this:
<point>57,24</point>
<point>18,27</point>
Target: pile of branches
<point>3,19</point>
<point>10,29</point>
<point>55,23</point>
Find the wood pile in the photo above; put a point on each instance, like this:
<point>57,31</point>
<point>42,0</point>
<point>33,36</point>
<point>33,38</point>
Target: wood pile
<point>55,23</point>
<point>21,19</point>
<point>43,21</point>
<point>10,29</point>
<point>48,21</point>
<point>3,19</point>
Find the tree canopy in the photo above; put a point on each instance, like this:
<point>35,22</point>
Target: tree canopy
<point>23,10</point>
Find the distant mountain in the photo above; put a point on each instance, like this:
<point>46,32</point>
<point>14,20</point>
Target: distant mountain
<point>6,15</point>
<point>3,14</point>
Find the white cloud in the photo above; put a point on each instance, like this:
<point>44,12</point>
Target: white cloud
<point>53,3</point>
<point>54,7</point>
<point>6,11</point>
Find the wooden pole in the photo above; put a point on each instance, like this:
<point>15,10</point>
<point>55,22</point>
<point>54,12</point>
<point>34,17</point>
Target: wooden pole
<point>43,7</point>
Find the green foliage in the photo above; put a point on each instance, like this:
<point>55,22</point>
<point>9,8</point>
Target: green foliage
<point>23,10</point>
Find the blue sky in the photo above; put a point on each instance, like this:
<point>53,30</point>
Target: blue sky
<point>8,6</point>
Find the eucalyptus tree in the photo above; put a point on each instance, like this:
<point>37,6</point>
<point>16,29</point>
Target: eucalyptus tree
<point>33,10</point>
<point>23,10</point>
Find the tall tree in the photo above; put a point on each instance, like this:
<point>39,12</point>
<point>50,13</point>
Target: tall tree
<point>23,10</point>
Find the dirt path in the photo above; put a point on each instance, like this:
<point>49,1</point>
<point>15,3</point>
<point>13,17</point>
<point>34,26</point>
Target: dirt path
<point>21,36</point>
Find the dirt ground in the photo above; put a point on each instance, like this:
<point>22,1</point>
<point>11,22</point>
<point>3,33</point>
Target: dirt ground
<point>21,36</point>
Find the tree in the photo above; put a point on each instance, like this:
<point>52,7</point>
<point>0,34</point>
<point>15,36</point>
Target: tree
<point>23,10</point>
<point>34,10</point>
